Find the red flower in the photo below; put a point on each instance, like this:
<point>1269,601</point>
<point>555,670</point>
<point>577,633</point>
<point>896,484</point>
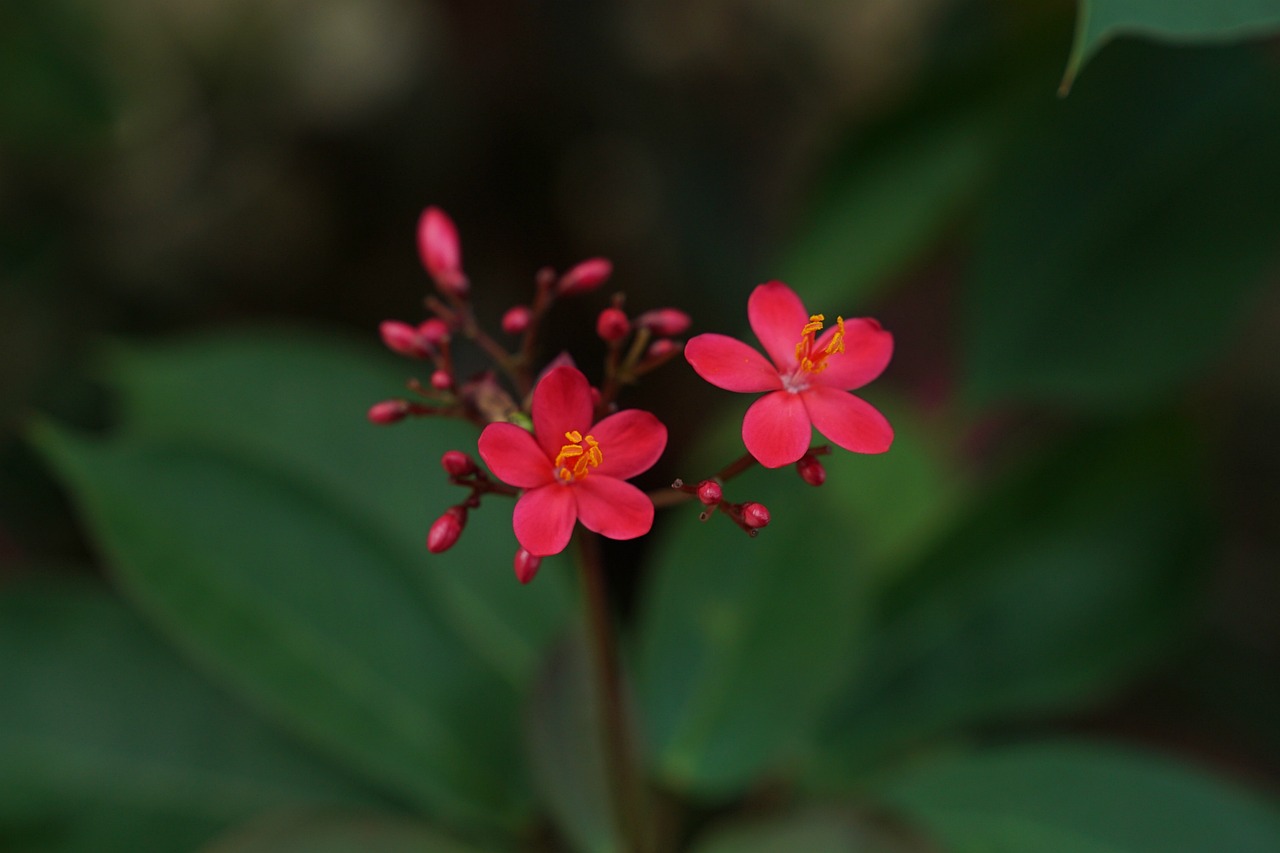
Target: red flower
<point>571,469</point>
<point>808,379</point>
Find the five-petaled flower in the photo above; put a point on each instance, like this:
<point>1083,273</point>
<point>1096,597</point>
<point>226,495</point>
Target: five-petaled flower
<point>572,469</point>
<point>808,379</point>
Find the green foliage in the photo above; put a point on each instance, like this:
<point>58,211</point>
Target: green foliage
<point>327,832</point>
<point>1099,21</point>
<point>1078,798</point>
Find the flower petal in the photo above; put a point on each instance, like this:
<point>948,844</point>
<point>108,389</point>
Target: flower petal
<point>613,508</point>
<point>514,456</point>
<point>544,518</point>
<point>561,402</point>
<point>730,364</point>
<point>849,421</point>
<point>867,350</point>
<point>776,429</point>
<point>630,441</point>
<point>777,317</point>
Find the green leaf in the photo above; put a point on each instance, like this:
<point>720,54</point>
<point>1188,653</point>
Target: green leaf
<point>307,613</point>
<point>297,401</point>
<point>812,831</point>
<point>1128,230</point>
<point>1072,797</point>
<point>1060,585</point>
<point>109,742</point>
<point>338,833</point>
<point>1099,21</point>
<point>565,752</point>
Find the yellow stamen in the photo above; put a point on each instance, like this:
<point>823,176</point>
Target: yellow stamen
<point>574,459</point>
<point>816,362</point>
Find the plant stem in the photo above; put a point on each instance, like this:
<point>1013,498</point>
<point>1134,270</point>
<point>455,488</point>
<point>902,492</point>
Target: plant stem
<point>626,790</point>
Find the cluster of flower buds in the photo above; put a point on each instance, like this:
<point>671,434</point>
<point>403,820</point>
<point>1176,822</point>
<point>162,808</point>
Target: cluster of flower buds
<point>749,515</point>
<point>462,471</point>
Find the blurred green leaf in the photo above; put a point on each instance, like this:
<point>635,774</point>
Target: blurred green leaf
<point>814,831</point>
<point>1099,21</point>
<point>305,610</point>
<point>297,401</point>
<point>1062,583</point>
<point>1065,798</point>
<point>109,742</point>
<point>563,739</point>
<point>330,833</point>
<point>1127,229</point>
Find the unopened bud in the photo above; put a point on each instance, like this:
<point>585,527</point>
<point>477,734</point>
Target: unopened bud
<point>755,515</point>
<point>439,250</point>
<point>811,470</point>
<point>434,332</point>
<point>612,325</point>
<point>457,464</point>
<point>403,339</point>
<point>388,411</point>
<point>516,320</point>
<point>709,492</point>
<point>585,277</point>
<point>526,565</point>
<point>447,528</point>
<point>663,348</point>
<point>664,322</point>
<point>441,380</point>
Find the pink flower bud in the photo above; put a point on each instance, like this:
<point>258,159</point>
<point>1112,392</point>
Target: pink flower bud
<point>457,464</point>
<point>388,411</point>
<point>709,492</point>
<point>811,470</point>
<point>585,277</point>
<point>441,380</point>
<point>439,250</point>
<point>612,325</point>
<point>526,565</point>
<point>403,339</point>
<point>663,348</point>
<point>665,322</point>
<point>516,320</point>
<point>755,515</point>
<point>434,332</point>
<point>447,528</point>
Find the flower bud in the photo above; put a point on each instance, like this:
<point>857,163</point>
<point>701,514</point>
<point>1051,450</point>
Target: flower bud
<point>403,339</point>
<point>663,348</point>
<point>434,332</point>
<point>585,277</point>
<point>388,411</point>
<point>516,320</point>
<point>811,470</point>
<point>447,528</point>
<point>755,515</point>
<point>526,565</point>
<point>664,322</point>
<point>457,464</point>
<point>709,492</point>
<point>441,380</point>
<point>439,250</point>
<point>612,325</point>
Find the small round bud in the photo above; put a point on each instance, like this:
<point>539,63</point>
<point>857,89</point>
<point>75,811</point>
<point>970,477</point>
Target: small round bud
<point>440,252</point>
<point>811,470</point>
<point>447,528</point>
<point>612,325</point>
<point>441,380</point>
<point>434,332</point>
<point>755,515</point>
<point>585,277</point>
<point>403,339</point>
<point>664,322</point>
<point>516,320</point>
<point>663,348</point>
<point>526,565</point>
<point>457,464</point>
<point>388,411</point>
<point>709,492</point>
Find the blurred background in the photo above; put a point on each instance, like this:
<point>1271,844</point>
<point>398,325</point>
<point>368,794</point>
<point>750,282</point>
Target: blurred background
<point>1080,279</point>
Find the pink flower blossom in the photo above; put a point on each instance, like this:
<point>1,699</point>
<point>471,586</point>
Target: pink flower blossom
<point>574,470</point>
<point>807,381</point>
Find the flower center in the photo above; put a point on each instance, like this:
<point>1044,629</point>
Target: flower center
<point>576,457</point>
<point>811,359</point>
